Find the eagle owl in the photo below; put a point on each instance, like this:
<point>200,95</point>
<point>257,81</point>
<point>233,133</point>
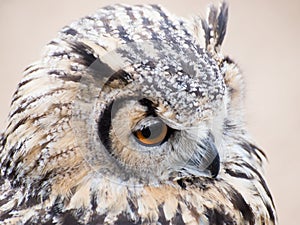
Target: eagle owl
<point>133,116</point>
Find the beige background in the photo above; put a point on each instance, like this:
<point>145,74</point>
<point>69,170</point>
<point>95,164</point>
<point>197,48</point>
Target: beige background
<point>263,36</point>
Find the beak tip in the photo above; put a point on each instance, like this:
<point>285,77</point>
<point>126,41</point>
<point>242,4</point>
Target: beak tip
<point>214,167</point>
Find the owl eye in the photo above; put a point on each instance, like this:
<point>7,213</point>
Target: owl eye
<point>153,134</point>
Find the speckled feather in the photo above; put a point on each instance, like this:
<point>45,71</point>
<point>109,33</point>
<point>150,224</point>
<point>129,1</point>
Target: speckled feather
<point>68,156</point>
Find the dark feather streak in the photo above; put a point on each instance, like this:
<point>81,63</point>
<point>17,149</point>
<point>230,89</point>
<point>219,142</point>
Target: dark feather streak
<point>240,204</point>
<point>104,126</point>
<point>218,217</point>
<point>70,31</point>
<point>238,174</point>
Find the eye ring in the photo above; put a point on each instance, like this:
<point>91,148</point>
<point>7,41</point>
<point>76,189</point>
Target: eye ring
<point>152,135</point>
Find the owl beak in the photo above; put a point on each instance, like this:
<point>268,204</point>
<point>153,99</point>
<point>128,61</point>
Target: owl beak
<point>205,159</point>
<point>210,157</point>
<point>214,167</point>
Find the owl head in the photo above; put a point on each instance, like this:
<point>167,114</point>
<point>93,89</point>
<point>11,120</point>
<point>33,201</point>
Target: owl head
<point>155,103</point>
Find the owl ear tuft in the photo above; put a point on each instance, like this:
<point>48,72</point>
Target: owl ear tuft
<point>214,27</point>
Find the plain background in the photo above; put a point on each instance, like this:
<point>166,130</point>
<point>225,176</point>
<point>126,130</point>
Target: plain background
<point>262,36</point>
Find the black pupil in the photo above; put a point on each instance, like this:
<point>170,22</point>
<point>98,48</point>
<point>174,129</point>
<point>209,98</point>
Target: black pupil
<point>152,131</point>
<point>146,132</point>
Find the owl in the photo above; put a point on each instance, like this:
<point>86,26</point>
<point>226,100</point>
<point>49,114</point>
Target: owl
<point>133,116</point>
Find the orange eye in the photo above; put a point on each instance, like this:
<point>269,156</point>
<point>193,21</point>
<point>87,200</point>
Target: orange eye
<point>152,135</point>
